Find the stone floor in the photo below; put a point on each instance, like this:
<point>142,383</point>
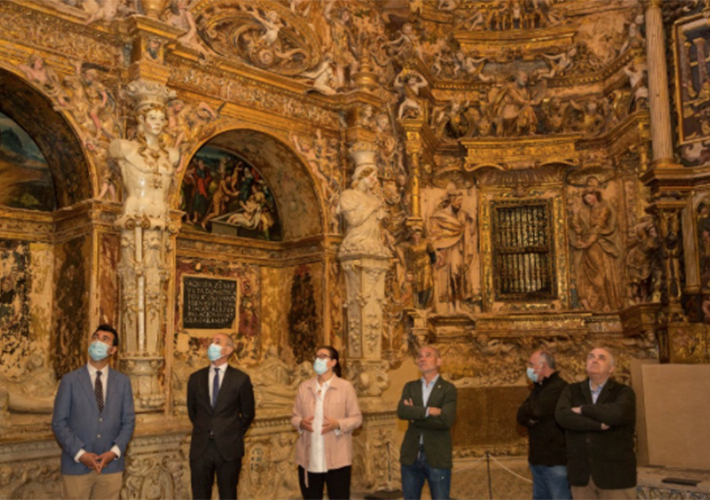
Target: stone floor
<point>651,484</point>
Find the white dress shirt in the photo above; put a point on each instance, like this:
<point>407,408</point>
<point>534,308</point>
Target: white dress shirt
<point>104,383</point>
<point>316,462</point>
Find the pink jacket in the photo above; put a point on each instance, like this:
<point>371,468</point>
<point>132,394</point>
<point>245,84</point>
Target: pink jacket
<point>340,403</point>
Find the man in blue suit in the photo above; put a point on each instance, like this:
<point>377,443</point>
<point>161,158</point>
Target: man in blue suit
<point>93,422</point>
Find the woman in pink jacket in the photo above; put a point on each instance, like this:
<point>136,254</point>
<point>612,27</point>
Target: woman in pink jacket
<point>325,413</point>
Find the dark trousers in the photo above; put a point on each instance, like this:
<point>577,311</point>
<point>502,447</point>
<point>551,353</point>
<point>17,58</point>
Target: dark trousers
<point>337,481</point>
<point>203,469</point>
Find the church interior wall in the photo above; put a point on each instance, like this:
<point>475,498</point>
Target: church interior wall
<point>480,121</point>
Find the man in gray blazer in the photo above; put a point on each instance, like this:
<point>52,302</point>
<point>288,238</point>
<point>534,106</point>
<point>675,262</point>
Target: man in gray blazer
<point>429,404</point>
<point>93,422</point>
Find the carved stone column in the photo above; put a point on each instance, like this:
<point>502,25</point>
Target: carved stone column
<point>659,100</point>
<point>365,261</point>
<point>147,247</point>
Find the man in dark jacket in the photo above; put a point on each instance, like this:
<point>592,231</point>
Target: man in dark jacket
<point>220,404</point>
<point>429,404</point>
<point>547,453</point>
<point>599,416</point>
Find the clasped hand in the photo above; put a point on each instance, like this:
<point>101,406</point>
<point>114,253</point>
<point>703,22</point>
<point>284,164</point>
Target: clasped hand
<point>97,462</point>
<point>329,424</point>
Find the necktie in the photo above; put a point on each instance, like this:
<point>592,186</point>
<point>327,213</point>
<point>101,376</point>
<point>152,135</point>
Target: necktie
<point>99,392</point>
<point>215,387</point>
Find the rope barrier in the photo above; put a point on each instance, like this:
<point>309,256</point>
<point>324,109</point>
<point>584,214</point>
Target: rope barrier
<point>469,466</point>
<point>513,473</point>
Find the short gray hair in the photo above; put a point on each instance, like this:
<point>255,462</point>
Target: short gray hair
<point>549,359</point>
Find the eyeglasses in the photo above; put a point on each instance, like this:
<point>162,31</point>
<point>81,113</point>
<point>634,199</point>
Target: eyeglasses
<point>322,356</point>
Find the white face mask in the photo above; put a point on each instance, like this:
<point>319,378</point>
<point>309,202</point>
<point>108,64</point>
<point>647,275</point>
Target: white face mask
<point>532,375</point>
<point>320,366</point>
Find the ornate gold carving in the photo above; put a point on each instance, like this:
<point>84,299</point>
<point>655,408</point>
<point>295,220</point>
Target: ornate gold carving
<point>520,152</point>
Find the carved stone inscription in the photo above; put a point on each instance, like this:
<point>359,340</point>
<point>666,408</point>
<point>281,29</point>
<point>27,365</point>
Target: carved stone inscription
<point>209,303</point>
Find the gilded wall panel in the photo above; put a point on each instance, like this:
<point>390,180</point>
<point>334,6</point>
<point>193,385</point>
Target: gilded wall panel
<point>109,246</point>
<point>71,306</point>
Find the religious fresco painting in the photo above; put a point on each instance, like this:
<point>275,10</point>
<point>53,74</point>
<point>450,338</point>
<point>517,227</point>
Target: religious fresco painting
<point>223,193</point>
<point>25,179</point>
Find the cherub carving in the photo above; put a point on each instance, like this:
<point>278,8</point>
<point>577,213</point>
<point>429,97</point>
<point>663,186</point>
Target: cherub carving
<point>410,91</point>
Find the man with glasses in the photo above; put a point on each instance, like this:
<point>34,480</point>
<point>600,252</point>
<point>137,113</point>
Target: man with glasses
<point>429,405</point>
<point>93,422</point>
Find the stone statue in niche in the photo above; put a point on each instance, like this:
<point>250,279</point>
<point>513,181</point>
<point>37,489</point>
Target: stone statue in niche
<point>343,48</point>
<point>514,107</point>
<point>363,211</point>
<point>451,230</point>
<point>643,264</point>
<point>594,234</point>
<point>421,256</point>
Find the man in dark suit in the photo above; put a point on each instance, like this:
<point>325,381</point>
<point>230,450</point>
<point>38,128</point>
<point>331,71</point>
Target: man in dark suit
<point>93,422</point>
<point>220,403</point>
<point>429,404</point>
<point>547,453</point>
<point>599,416</point>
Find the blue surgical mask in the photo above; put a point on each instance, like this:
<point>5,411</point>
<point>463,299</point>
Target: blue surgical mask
<point>98,351</point>
<point>320,366</point>
<point>532,375</point>
<point>214,352</point>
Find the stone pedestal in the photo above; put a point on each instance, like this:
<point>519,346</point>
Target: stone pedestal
<point>365,285</point>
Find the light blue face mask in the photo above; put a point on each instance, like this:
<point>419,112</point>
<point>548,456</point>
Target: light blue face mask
<point>320,366</point>
<point>532,375</point>
<point>98,351</point>
<point>214,352</point>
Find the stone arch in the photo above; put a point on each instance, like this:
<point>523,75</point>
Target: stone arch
<point>300,204</point>
<point>73,174</point>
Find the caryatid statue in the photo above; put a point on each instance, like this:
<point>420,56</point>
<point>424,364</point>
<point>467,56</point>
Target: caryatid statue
<point>365,259</point>
<point>147,170</point>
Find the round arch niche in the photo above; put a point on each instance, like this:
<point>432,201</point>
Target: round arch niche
<point>54,137</point>
<point>297,203</point>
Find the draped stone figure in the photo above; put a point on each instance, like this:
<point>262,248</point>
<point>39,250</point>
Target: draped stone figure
<point>595,234</point>
<point>451,231</point>
<point>363,212</point>
<point>365,260</point>
<point>147,169</point>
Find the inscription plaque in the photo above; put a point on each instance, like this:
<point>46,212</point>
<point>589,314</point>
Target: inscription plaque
<point>209,303</point>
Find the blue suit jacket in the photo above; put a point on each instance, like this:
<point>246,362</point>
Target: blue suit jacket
<point>77,423</point>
